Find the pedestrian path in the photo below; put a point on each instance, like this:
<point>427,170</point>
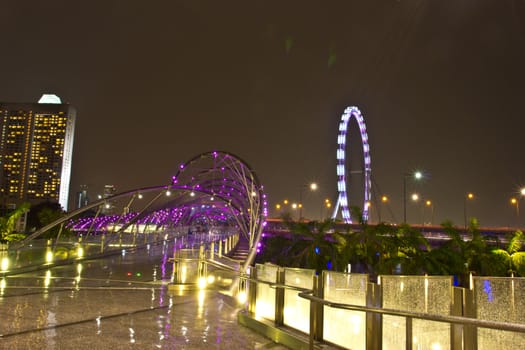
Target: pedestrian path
<point>119,302</point>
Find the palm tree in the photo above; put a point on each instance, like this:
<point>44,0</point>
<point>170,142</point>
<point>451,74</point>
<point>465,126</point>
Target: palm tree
<point>459,256</point>
<point>504,262</point>
<point>310,246</point>
<point>367,249</point>
<point>8,224</point>
<point>407,248</point>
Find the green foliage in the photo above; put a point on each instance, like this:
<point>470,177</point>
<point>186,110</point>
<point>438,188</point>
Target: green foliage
<point>516,242</point>
<point>310,246</point>
<point>518,262</point>
<point>8,224</point>
<point>498,263</point>
<point>506,262</point>
<point>14,237</point>
<point>390,249</point>
<point>44,214</point>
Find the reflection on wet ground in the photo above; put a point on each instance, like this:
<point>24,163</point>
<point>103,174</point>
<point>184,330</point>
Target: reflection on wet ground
<point>119,302</point>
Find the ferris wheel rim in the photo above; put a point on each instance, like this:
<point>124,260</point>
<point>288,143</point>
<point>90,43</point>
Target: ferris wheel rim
<point>342,200</point>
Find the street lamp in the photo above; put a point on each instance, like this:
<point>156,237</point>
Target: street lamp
<point>384,200</point>
<point>313,187</point>
<point>468,196</point>
<point>429,203</point>
<point>327,204</point>
<point>418,175</point>
<point>516,202</point>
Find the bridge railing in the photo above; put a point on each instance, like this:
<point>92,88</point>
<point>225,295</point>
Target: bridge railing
<point>44,253</point>
<point>398,312</point>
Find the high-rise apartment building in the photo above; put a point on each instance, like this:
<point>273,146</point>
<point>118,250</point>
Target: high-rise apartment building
<point>36,148</point>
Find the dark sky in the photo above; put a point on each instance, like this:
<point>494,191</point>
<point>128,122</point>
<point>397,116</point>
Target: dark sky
<point>440,84</point>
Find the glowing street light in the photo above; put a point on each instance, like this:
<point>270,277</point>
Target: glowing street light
<point>429,203</point>
<point>384,201</point>
<point>313,187</point>
<point>418,175</point>
<point>469,196</point>
<point>516,202</point>
<point>327,204</point>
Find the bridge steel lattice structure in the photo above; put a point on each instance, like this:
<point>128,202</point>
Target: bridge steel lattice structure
<point>213,194</point>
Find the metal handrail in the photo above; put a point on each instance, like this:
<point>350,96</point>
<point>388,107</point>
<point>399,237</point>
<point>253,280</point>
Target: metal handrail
<point>504,326</point>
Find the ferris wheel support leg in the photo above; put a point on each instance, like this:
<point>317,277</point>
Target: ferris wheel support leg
<point>336,209</point>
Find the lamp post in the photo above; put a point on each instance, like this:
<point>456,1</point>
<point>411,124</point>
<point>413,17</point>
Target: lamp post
<point>313,187</point>
<point>429,203</point>
<point>516,202</point>
<point>468,196</point>
<point>326,204</point>
<point>418,175</point>
<point>384,200</point>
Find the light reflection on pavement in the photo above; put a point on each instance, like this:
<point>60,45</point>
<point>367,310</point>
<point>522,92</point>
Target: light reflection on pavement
<point>119,302</point>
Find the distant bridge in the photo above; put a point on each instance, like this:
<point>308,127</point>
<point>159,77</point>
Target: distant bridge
<point>434,234</point>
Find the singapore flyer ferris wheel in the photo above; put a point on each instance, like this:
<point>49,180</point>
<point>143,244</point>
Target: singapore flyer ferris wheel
<point>342,175</point>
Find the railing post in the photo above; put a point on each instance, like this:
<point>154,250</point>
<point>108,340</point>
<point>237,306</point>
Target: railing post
<point>316,317</point>
<point>102,239</point>
<point>374,322</point>
<point>470,333</point>
<point>279,298</point>
<point>408,333</point>
<point>318,307</point>
<point>252,290</point>
<point>176,268</point>
<point>202,262</point>
<point>456,330</point>
<point>220,248</point>
<point>212,250</point>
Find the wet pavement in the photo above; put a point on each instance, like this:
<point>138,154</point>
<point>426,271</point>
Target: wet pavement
<point>119,302</point>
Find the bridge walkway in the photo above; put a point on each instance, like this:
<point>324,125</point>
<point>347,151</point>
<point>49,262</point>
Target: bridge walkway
<point>118,302</point>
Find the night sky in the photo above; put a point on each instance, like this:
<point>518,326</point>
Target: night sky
<point>440,84</point>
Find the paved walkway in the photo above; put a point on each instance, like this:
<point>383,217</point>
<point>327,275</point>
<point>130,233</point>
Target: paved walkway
<point>120,302</point>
